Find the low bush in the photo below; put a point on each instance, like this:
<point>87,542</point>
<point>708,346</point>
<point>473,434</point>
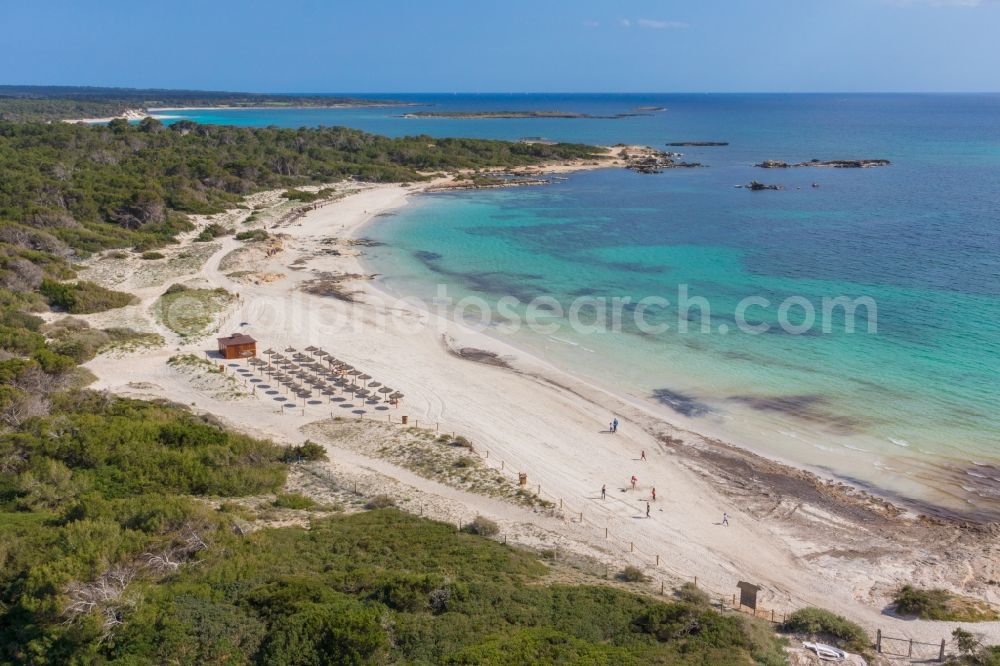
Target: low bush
<point>692,594</point>
<point>82,297</point>
<point>972,652</point>
<point>152,255</point>
<point>380,502</point>
<point>293,501</point>
<point>632,574</point>
<point>483,527</point>
<point>305,452</point>
<point>307,197</point>
<point>254,235</point>
<point>211,232</point>
<point>830,627</point>
<point>937,604</point>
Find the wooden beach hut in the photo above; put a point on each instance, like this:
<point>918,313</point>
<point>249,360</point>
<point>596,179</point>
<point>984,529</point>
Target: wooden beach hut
<point>237,345</point>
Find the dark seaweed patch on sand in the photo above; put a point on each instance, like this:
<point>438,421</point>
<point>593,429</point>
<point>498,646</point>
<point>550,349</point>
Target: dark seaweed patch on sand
<point>683,404</point>
<point>808,407</point>
<point>518,285</point>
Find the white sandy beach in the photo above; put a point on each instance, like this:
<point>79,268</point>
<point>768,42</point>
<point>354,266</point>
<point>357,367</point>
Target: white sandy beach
<point>827,547</point>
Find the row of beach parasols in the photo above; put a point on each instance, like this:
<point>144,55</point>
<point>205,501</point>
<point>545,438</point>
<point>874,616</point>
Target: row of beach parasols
<point>318,370</point>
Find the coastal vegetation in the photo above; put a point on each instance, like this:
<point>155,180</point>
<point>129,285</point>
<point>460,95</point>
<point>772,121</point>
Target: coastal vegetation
<point>971,651</point>
<point>818,623</point>
<point>73,189</point>
<point>937,604</point>
<point>441,458</point>
<point>82,297</point>
<point>34,103</point>
<point>187,311</point>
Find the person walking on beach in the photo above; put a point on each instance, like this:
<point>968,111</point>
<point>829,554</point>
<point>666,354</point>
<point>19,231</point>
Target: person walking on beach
<point>634,481</point>
<point>614,425</point>
<point>725,519</point>
<point>647,509</point>
<point>654,494</point>
<point>642,456</point>
<point>604,491</point>
<point>611,428</point>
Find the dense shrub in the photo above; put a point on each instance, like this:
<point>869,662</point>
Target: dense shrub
<point>211,232</point>
<point>692,594</point>
<point>152,255</point>
<point>380,502</point>
<point>828,626</point>
<point>302,195</point>
<point>305,452</point>
<point>483,527</point>
<point>254,235</point>
<point>82,297</point>
<point>632,574</point>
<point>941,605</point>
<point>294,501</point>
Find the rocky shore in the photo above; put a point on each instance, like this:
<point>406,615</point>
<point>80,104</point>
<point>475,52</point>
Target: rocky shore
<point>644,159</point>
<point>833,164</point>
<point>757,186</point>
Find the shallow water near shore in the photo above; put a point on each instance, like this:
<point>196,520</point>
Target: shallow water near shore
<point>910,409</point>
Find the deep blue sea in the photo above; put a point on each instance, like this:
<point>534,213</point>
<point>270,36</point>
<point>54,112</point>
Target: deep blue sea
<point>911,408</point>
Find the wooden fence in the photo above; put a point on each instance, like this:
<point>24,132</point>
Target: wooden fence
<point>907,647</point>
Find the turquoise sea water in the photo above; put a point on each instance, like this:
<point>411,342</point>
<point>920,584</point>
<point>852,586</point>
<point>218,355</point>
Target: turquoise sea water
<point>910,409</point>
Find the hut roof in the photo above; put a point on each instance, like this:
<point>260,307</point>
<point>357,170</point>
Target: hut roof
<point>236,339</point>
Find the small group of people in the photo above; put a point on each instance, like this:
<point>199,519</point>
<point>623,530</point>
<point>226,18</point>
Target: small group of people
<point>613,426</point>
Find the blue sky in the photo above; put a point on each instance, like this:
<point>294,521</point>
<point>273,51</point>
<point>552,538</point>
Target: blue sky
<point>509,45</point>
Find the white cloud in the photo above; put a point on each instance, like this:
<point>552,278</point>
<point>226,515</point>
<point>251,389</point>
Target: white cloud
<point>591,24</point>
<point>661,25</point>
<point>625,23</point>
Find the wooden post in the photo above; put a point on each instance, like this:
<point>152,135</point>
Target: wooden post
<point>501,464</point>
<point>941,654</point>
<point>605,532</point>
<point>657,560</point>
<point>734,601</point>
<point>539,490</point>
<point>878,641</point>
<point>581,517</point>
<point>661,587</point>
<point>772,616</point>
<point>487,454</point>
<point>696,581</point>
<point>631,546</point>
<point>909,652</point>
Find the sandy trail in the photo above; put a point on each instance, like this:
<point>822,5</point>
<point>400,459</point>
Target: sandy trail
<point>553,426</point>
